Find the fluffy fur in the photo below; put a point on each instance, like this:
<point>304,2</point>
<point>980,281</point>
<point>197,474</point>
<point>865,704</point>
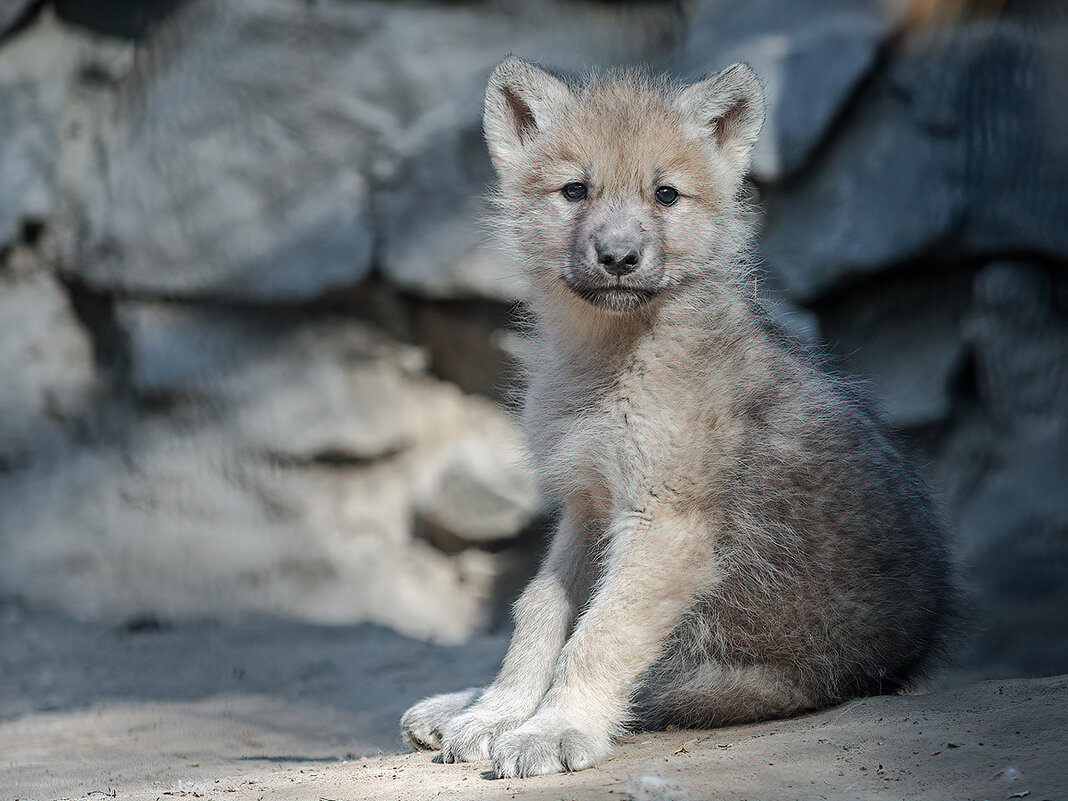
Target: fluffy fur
<point>740,539</point>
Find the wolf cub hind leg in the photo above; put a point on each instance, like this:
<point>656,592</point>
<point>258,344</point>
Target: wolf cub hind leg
<point>709,694</point>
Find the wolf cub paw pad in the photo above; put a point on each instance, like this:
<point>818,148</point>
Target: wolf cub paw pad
<point>424,723</point>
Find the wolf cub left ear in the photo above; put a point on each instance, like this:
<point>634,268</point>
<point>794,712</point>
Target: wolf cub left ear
<point>731,105</point>
<point>521,100</point>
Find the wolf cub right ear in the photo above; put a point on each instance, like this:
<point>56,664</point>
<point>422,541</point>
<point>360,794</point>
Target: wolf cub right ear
<point>521,100</point>
<point>730,105</point>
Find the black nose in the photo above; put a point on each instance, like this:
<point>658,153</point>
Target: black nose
<point>618,258</point>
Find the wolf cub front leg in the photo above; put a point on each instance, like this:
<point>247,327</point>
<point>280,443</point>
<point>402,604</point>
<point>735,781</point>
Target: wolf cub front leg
<point>465,725</point>
<point>655,563</point>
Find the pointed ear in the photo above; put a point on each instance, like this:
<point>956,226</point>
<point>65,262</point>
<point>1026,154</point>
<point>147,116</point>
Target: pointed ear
<point>730,104</point>
<point>521,100</point>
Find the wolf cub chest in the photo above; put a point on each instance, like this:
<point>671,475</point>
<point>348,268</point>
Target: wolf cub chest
<point>611,441</point>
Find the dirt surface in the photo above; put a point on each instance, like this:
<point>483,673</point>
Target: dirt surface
<point>281,711</point>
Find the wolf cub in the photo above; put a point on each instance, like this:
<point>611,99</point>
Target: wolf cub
<point>740,539</point>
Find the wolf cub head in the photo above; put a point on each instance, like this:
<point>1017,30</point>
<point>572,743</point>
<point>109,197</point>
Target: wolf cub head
<point>622,187</point>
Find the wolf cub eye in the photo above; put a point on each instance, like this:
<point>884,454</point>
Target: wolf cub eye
<point>666,195</point>
<point>574,191</point>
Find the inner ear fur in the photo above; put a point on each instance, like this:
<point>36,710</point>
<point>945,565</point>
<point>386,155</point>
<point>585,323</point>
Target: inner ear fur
<point>521,100</point>
<point>730,104</point>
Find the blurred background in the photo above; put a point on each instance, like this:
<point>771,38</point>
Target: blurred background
<point>256,351</point>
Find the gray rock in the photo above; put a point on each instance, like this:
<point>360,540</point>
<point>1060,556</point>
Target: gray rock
<point>246,140</point>
<point>471,343</point>
<point>183,348</point>
<point>1014,535</point>
<point>884,192</point>
<point>482,494</point>
<point>1020,340</point>
<point>960,460</point>
<point>1023,497</point>
<point>1004,467</point>
<point>50,381</point>
<point>918,165</point>
<point>1017,112</point>
<point>321,397</point>
<point>36,69</point>
<point>274,471</point>
<point>179,527</point>
<point>125,18</point>
<point>26,163</point>
<point>811,55</point>
<point>906,338</point>
<point>11,12</point>
<point>232,157</point>
<point>295,388</point>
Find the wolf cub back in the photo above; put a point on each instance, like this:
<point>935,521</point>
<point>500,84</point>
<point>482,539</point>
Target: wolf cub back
<point>740,537</point>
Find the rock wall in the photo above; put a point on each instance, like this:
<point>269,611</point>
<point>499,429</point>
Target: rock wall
<point>254,340</point>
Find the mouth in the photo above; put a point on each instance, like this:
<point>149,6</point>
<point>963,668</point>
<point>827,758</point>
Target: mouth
<point>618,299</point>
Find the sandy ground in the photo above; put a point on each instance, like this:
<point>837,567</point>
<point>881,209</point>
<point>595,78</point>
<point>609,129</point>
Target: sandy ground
<point>283,711</point>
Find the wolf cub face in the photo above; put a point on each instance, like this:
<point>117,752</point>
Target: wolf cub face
<point>622,187</point>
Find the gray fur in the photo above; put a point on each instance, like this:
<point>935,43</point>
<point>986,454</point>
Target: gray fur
<point>741,538</point>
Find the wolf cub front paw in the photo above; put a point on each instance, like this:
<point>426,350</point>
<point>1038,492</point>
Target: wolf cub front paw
<point>424,723</point>
<point>469,737</point>
<point>547,744</point>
